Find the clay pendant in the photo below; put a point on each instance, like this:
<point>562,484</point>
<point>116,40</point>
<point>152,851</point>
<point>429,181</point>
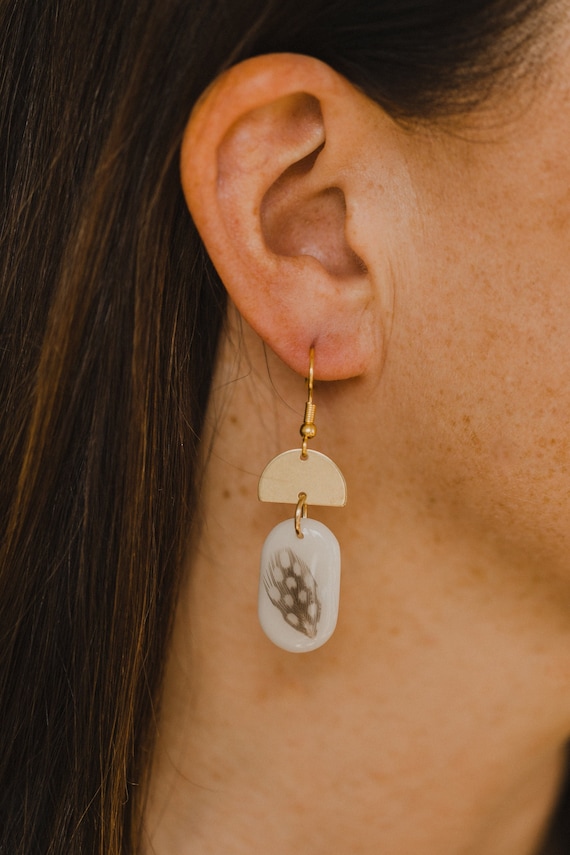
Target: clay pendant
<point>299,585</point>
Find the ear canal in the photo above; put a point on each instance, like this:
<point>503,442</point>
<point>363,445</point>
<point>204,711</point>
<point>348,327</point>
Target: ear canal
<point>312,226</point>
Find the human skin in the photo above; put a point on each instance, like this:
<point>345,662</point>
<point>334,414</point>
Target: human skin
<point>434,720</point>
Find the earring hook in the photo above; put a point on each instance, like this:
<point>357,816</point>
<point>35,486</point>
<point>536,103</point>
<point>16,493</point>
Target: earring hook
<point>308,428</point>
<point>311,377</point>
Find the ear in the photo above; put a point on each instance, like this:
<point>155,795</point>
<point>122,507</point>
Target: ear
<point>284,166</point>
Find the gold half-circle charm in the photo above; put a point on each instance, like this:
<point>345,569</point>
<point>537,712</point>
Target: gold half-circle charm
<point>289,474</point>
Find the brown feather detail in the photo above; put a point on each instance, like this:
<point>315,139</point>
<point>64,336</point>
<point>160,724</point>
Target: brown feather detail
<point>292,589</point>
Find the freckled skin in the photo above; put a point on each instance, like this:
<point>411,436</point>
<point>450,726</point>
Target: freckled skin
<point>434,719</point>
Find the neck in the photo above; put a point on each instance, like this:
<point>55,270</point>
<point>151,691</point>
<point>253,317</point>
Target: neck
<point>435,718</point>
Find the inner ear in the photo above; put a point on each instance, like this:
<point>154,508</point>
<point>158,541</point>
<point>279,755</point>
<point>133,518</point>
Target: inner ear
<point>313,224</point>
<point>297,220</point>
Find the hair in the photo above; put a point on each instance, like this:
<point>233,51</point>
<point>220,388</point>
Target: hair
<point>110,316</point>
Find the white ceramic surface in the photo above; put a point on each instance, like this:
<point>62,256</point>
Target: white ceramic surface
<point>299,585</point>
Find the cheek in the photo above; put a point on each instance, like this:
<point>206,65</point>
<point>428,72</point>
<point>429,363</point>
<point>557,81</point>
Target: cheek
<point>479,366</point>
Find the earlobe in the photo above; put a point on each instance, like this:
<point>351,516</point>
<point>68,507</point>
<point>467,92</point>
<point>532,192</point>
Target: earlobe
<point>272,170</point>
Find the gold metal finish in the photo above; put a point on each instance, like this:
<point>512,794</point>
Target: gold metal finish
<point>308,428</point>
<point>288,474</point>
<point>300,513</point>
<point>306,478</point>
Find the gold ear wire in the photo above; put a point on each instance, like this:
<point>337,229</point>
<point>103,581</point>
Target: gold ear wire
<point>308,428</point>
<point>315,475</point>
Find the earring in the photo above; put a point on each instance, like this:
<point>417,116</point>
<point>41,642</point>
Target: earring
<point>299,581</point>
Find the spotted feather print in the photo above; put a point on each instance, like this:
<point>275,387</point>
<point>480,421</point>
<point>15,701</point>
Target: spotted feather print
<point>292,589</point>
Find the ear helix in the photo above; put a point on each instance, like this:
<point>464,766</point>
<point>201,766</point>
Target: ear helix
<point>299,580</point>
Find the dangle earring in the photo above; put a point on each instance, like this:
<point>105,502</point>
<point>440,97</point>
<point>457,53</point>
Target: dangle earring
<point>299,580</point>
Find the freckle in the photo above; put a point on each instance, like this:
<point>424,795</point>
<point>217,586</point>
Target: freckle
<point>226,494</point>
<point>233,420</point>
<point>475,441</point>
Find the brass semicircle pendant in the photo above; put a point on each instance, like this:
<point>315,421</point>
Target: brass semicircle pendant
<point>288,474</point>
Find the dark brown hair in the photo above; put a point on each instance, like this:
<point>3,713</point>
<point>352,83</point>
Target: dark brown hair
<point>110,315</point>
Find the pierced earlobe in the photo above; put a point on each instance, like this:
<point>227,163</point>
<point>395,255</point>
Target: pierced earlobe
<point>279,165</point>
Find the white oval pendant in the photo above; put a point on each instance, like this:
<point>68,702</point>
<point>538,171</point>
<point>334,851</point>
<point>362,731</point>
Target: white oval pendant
<point>299,585</point>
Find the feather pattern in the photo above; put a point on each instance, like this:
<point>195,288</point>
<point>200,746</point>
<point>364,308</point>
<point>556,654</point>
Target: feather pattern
<point>292,589</point>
